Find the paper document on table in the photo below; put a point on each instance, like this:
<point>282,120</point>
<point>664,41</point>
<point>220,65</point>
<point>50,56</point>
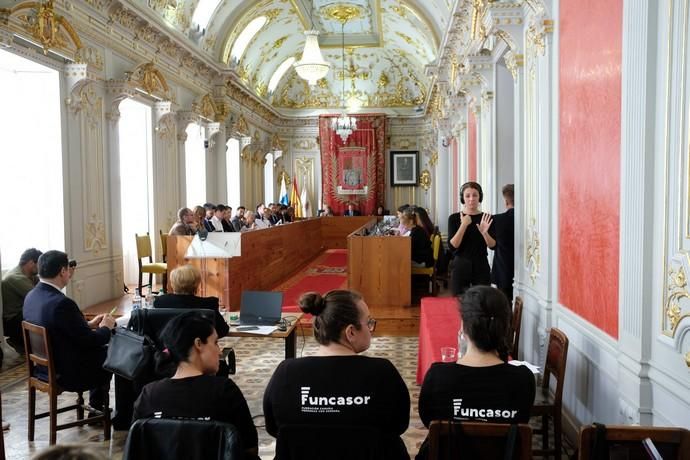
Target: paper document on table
<point>258,330</point>
<point>530,366</point>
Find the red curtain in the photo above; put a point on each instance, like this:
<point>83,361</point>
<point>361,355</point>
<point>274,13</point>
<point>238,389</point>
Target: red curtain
<point>354,171</point>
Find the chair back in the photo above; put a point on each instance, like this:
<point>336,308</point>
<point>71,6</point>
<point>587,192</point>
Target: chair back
<point>151,321</point>
<point>38,350</point>
<point>517,324</point>
<point>164,245</point>
<point>334,442</point>
<point>143,247</point>
<point>617,441</point>
<point>436,245</point>
<point>478,441</point>
<point>182,439</point>
<point>556,357</point>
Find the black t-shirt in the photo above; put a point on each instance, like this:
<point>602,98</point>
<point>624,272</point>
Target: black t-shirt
<point>472,245</point>
<point>338,390</point>
<point>199,397</point>
<point>421,249</point>
<point>498,394</point>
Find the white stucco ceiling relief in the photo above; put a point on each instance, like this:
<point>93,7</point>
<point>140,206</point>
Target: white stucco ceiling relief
<point>388,44</point>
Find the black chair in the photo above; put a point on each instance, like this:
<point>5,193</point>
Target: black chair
<point>151,321</point>
<point>182,439</point>
<point>478,441</point>
<point>335,442</point>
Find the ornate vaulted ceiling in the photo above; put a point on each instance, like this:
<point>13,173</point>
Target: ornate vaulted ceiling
<point>388,44</point>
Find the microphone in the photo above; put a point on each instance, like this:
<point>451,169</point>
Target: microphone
<point>203,234</point>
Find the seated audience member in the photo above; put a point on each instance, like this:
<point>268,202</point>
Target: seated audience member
<point>261,221</point>
<point>489,389</point>
<point>210,209</point>
<point>238,220</point>
<point>79,347</point>
<point>275,216</point>
<point>226,221</point>
<point>401,228</point>
<point>183,226</point>
<point>16,284</point>
<point>195,391</point>
<point>249,222</point>
<point>291,213</point>
<point>327,211</point>
<point>217,218</point>
<point>199,217</point>
<point>421,250</point>
<point>343,328</point>
<point>284,215</point>
<point>380,211</point>
<point>424,221</point>
<point>185,281</point>
<point>351,211</point>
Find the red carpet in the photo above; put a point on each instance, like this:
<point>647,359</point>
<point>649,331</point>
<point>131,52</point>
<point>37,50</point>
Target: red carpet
<point>326,272</point>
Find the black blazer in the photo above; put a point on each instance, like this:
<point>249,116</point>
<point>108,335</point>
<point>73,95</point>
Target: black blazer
<point>502,271</point>
<point>354,213</point>
<point>76,347</point>
<point>192,301</point>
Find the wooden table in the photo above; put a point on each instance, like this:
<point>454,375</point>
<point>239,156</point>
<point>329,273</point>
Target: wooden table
<point>122,305</point>
<point>289,335</point>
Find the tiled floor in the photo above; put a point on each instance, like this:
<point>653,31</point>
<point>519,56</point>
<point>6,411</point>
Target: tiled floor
<point>257,358</point>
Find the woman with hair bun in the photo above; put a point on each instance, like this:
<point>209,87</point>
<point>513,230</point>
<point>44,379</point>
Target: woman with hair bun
<point>195,391</point>
<point>339,387</point>
<point>487,387</point>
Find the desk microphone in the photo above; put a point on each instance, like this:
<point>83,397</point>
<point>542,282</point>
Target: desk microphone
<point>203,234</point>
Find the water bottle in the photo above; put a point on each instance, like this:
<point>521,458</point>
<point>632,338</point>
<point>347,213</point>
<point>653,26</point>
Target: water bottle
<point>462,344</point>
<point>148,300</point>
<point>136,300</point>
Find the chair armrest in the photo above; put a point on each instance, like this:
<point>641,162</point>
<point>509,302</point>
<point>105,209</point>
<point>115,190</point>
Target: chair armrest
<point>227,355</point>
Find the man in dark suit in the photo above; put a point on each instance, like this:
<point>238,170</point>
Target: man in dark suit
<point>351,211</point>
<point>502,272</point>
<point>78,346</point>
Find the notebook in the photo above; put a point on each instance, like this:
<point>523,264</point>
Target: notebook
<point>260,308</point>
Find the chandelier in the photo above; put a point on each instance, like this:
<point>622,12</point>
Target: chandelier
<point>312,66</point>
<point>344,125</point>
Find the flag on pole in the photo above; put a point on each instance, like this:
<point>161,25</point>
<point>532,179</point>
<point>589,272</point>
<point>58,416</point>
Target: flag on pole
<point>283,192</point>
<point>304,198</point>
<point>294,199</point>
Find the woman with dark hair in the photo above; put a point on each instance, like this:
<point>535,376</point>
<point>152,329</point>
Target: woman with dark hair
<point>424,221</point>
<point>195,391</point>
<point>342,387</point>
<point>469,234</point>
<point>421,250</point>
<point>481,386</point>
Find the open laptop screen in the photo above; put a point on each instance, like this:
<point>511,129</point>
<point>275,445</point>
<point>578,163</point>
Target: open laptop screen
<point>260,308</point>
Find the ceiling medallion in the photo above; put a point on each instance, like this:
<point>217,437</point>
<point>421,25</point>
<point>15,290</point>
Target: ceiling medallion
<point>343,12</point>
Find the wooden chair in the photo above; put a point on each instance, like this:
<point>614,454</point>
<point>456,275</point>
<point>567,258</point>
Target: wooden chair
<point>517,324</point>
<point>164,246</point>
<point>626,442</point>
<point>431,271</point>
<point>158,268</point>
<point>335,442</point>
<point>39,353</point>
<point>476,441</point>
<point>547,403</point>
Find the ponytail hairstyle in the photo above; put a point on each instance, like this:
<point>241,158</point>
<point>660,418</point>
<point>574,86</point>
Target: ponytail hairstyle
<point>181,332</point>
<point>332,312</point>
<point>486,319</point>
<point>410,214</point>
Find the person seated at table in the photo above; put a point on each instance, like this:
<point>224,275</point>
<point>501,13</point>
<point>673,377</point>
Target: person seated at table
<point>481,385</point>
<point>424,221</point>
<point>185,281</point>
<point>422,253</point>
<point>377,394</point>
<point>195,391</point>
<point>380,211</point>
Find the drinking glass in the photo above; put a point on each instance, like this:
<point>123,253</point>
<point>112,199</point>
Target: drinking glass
<point>448,354</point>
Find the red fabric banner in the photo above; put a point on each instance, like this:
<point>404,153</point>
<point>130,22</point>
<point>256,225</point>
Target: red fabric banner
<point>354,171</point>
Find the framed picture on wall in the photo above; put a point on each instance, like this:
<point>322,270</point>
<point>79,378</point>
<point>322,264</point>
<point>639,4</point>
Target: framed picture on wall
<point>404,168</point>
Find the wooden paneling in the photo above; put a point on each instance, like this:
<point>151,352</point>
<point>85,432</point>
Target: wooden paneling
<point>379,267</point>
<point>334,230</point>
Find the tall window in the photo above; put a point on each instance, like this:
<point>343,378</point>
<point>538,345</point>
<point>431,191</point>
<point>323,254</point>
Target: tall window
<point>268,179</point>
<point>232,160</point>
<point>136,184</point>
<point>30,159</point>
<point>195,165</point>
<point>246,36</point>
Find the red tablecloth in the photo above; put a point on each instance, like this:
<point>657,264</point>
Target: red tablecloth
<point>439,324</point>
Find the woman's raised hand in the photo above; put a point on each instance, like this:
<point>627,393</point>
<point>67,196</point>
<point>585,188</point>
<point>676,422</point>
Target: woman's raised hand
<point>466,220</point>
<point>484,225</point>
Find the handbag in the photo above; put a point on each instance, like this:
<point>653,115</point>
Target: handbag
<point>129,353</point>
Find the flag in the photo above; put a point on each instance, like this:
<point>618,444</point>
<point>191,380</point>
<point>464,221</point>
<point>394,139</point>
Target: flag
<point>294,199</point>
<point>304,198</point>
<point>283,192</point>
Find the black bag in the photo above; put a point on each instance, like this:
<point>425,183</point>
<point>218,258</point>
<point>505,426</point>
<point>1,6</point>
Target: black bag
<point>129,353</point>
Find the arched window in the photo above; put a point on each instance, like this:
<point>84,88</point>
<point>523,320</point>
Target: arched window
<point>203,11</point>
<point>268,179</point>
<point>246,36</point>
<point>232,161</point>
<point>195,165</point>
<point>278,74</point>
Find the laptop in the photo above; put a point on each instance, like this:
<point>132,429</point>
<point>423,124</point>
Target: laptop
<point>260,308</point>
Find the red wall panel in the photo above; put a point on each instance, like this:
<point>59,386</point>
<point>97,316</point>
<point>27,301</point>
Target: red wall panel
<point>589,162</point>
<point>471,146</point>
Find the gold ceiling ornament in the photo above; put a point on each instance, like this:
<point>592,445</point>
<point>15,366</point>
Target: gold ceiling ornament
<point>425,180</point>
<point>147,77</point>
<point>677,289</point>
<point>342,12</point>
<point>283,175</point>
<point>276,143</point>
<point>478,11</point>
<point>240,127</point>
<point>46,26</point>
<point>433,159</point>
<point>687,359</point>
<point>513,62</point>
<point>206,107</point>
<point>383,80</point>
<point>536,39</point>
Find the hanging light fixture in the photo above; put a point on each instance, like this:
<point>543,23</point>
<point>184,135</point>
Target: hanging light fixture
<point>312,66</point>
<point>344,124</point>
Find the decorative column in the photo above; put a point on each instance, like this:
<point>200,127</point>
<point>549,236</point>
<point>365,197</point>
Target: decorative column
<point>164,166</point>
<point>440,164</point>
<point>211,135</point>
<point>219,139</point>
